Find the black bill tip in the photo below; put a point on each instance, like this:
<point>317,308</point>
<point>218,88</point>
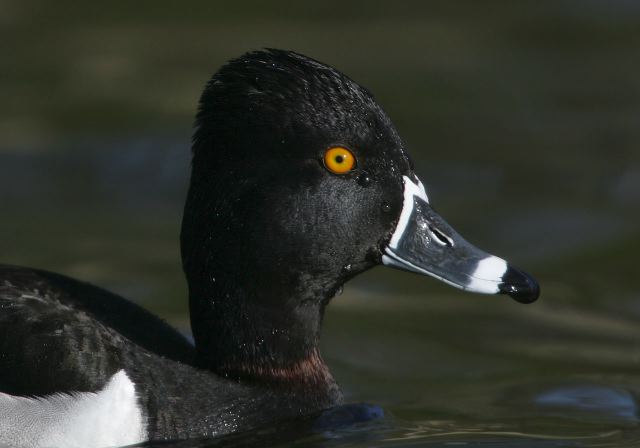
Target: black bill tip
<point>520,286</point>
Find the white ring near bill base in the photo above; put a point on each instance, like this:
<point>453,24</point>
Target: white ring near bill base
<point>411,190</point>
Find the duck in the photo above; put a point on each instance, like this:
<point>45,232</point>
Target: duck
<point>299,182</point>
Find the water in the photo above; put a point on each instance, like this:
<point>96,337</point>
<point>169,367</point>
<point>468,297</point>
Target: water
<point>522,122</point>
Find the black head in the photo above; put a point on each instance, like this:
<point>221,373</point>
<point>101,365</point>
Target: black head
<point>264,197</point>
<point>269,232</point>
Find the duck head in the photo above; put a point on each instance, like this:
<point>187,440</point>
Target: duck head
<point>300,182</point>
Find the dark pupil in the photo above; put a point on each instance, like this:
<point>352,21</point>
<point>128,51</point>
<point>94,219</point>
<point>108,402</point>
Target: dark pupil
<point>339,159</point>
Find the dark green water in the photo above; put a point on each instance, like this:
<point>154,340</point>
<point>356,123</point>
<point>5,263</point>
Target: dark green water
<point>524,122</point>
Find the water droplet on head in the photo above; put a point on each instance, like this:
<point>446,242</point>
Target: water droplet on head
<point>363,179</point>
<point>386,207</point>
<point>347,268</point>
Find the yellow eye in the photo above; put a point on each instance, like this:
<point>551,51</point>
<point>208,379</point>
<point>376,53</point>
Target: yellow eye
<point>339,160</point>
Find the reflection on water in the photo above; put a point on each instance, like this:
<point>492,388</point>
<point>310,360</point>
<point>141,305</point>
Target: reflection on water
<point>595,400</point>
<point>522,119</point>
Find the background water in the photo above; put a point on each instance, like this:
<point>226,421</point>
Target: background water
<point>524,122</point>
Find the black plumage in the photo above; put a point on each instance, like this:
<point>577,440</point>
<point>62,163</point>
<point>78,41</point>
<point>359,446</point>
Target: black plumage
<point>268,237</point>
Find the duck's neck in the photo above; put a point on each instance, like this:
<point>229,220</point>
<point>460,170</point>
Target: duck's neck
<point>241,334</point>
<point>257,297</point>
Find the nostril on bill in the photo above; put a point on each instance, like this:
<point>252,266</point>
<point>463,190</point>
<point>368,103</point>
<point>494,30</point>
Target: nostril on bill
<point>440,237</point>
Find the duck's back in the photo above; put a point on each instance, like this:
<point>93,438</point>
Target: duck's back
<point>79,349</point>
<point>58,334</point>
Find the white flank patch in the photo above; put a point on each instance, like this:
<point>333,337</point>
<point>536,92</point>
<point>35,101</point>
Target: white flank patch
<point>108,418</point>
<point>488,275</point>
<point>411,190</point>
